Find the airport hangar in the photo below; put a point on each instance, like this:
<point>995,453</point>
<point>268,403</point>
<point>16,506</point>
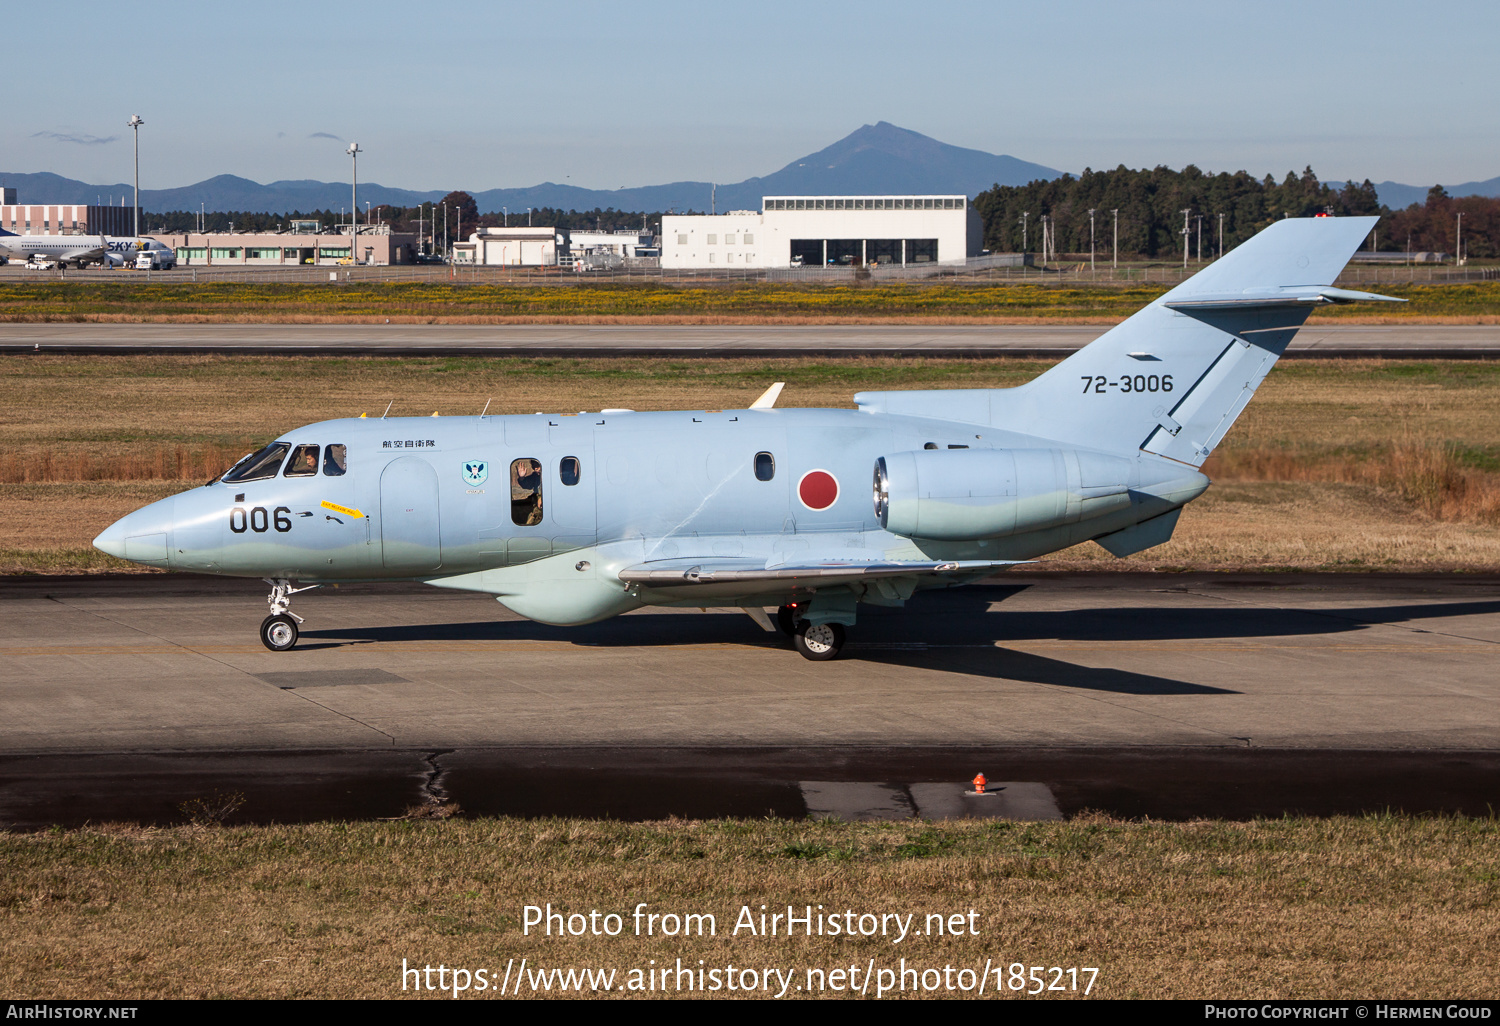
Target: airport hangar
<point>819,231</point>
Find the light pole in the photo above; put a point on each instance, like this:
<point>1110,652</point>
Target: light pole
<point>1186,211</point>
<point>135,123</point>
<point>1221,236</point>
<point>1115,264</point>
<point>1024,215</point>
<point>1091,241</point>
<point>1458,244</point>
<point>354,152</point>
<point>505,212</point>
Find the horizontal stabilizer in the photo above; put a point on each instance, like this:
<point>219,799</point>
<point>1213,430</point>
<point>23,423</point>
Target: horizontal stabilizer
<point>1287,296</point>
<point>676,572</point>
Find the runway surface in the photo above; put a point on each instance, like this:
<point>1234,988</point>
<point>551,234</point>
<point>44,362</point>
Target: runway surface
<point>757,342</point>
<point>1154,694</point>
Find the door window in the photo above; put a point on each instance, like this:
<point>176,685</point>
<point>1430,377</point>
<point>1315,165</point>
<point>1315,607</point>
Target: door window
<point>526,492</point>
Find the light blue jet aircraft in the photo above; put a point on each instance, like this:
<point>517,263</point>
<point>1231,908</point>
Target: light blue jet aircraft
<point>569,519</point>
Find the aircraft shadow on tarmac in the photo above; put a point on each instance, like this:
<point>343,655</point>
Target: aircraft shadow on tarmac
<point>957,631</point>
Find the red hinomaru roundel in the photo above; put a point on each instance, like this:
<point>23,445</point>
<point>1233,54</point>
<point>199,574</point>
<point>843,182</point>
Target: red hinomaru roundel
<point>818,489</point>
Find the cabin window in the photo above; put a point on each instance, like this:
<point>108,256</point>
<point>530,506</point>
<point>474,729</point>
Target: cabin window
<point>335,460</point>
<point>259,466</point>
<point>526,492</point>
<point>569,470</point>
<point>304,462</point>
<point>930,445</point>
<point>765,466</point>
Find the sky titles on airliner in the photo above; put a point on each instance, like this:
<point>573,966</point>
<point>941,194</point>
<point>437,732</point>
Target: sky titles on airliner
<point>410,443</point>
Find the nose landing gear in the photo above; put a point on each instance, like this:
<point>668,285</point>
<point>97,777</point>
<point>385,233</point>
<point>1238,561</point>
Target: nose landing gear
<point>278,632</point>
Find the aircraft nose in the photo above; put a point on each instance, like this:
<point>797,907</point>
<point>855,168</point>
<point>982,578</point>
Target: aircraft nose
<point>142,536</point>
<point>112,539</point>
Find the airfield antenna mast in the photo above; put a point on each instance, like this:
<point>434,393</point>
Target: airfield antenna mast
<point>135,124</point>
<point>1185,237</point>
<point>1221,235</point>
<point>353,152</point>
<point>1115,264</point>
<point>1024,215</point>
<point>1458,244</point>
<point>1200,238</point>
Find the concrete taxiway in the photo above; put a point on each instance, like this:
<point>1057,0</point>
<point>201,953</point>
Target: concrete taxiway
<point>1135,693</point>
<point>1469,341</point>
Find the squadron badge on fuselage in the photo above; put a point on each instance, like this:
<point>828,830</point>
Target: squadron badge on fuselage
<point>476,472</point>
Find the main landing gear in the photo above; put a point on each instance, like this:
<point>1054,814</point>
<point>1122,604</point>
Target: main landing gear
<point>817,642</point>
<point>278,632</point>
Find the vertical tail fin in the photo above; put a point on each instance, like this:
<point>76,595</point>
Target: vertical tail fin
<point>1172,379</point>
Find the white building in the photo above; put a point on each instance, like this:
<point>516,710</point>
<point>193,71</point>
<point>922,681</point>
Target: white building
<point>821,231</point>
<point>548,247</point>
<point>513,247</point>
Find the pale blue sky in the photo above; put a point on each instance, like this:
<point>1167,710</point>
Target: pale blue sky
<point>452,94</point>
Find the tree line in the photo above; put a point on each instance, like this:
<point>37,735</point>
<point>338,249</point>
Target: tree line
<point>1149,206</point>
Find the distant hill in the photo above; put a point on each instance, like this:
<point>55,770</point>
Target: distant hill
<point>1399,197</point>
<point>875,159</point>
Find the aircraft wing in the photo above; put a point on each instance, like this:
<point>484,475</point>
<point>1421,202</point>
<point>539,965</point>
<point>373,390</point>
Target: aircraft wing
<point>678,572</point>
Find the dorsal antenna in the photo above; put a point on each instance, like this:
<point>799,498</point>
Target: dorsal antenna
<point>486,407</point>
<point>388,408</point>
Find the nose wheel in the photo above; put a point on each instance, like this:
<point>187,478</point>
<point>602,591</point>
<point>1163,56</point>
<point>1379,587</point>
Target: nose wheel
<point>279,632</point>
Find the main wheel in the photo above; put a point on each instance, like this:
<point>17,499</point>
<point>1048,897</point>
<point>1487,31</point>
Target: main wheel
<point>786,618</point>
<point>278,633</point>
<point>819,641</point>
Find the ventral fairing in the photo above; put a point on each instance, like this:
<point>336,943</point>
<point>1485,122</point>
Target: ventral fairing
<point>569,519</point>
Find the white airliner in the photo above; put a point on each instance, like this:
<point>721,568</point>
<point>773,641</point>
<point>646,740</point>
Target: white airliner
<point>79,250</point>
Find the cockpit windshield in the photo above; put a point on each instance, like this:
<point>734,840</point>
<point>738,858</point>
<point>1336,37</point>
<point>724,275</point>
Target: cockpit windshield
<point>258,466</point>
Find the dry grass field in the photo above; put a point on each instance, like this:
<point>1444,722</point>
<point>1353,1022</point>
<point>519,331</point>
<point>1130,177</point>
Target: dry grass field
<point>1387,907</point>
<point>1338,464</point>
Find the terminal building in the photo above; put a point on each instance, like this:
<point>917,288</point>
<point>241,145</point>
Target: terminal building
<point>374,244</point>
<point>826,231</point>
<point>63,218</point>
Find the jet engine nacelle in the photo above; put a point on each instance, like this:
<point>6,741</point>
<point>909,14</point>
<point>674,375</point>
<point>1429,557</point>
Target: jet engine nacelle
<point>959,494</point>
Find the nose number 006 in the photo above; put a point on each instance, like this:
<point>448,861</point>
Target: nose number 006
<point>258,520</point>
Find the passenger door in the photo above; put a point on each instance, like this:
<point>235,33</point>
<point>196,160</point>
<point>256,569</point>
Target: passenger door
<point>409,522</point>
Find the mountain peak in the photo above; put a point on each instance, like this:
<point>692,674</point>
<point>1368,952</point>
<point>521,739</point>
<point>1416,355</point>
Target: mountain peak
<point>872,160</point>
